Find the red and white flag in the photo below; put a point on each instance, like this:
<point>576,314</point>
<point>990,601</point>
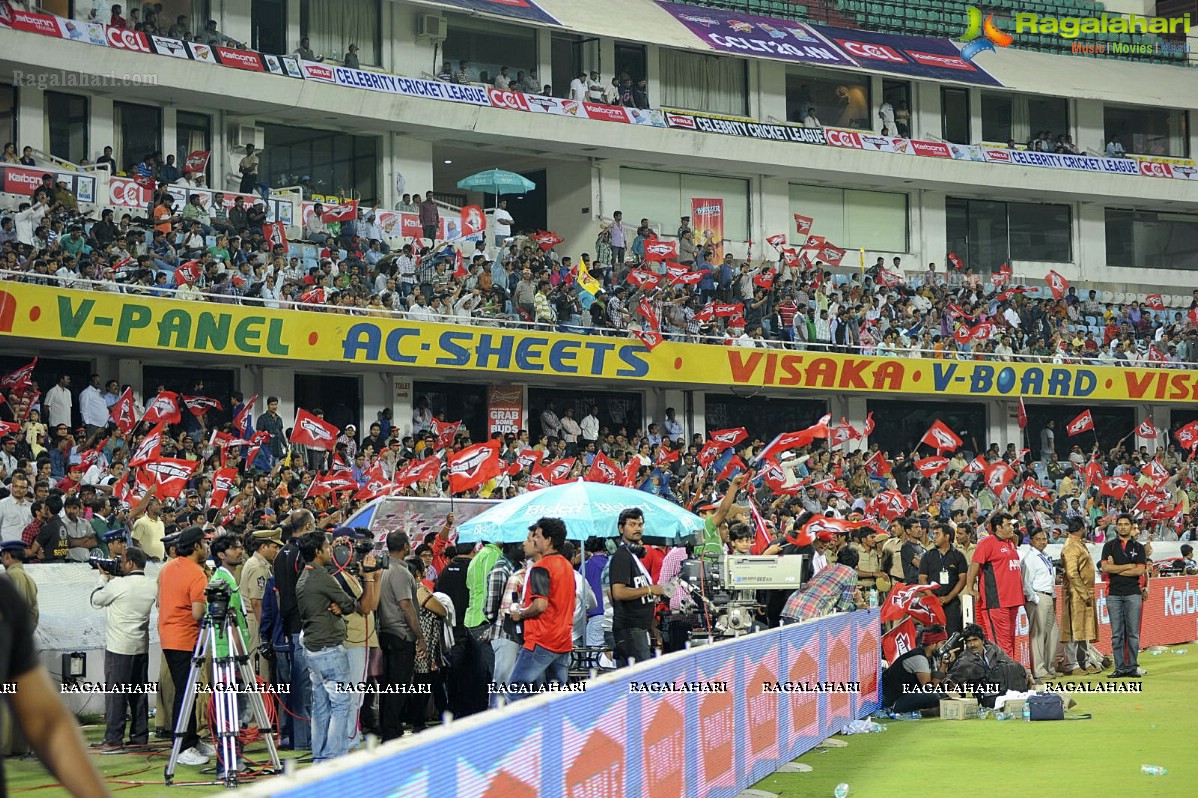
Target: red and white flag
<point>888,279</point>
<point>313,296</point>
<point>1156,471</point>
<point>1146,429</point>
<point>814,242</point>
<point>998,475</point>
<point>941,438</point>
<point>445,431</point>
<point>473,466</point>
<point>645,279</point>
<point>1187,436</point>
<point>776,241</point>
<point>1033,489</point>
<point>547,240</point>
<point>787,441</point>
<point>196,161</point>
<point>657,250</point>
<point>243,419</point>
<point>123,412</point>
<point>930,466</point>
<point>1083,423</point>
<point>1056,283</point>
<point>199,405</point>
<point>1022,415</point>
<point>223,482</point>
<point>955,262</point>
<point>20,379</point>
<point>898,641</point>
<point>376,485</point>
<point>603,470</point>
<point>803,225</point>
<point>904,600</point>
<point>341,213</point>
<point>333,482</point>
<point>150,447</point>
<point>684,277</point>
<point>474,221</point>
<point>418,471</point>
<point>313,432</point>
<point>831,255</point>
<point>170,475</point>
<point>646,309</point>
<point>557,472</point>
<point>869,424</point>
<point>650,338</point>
<point>1117,486</point>
<point>1155,301</point>
<point>163,407</point>
<point>188,272</point>
<point>275,234</point>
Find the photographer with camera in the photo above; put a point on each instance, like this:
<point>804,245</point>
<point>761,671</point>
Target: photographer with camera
<point>976,660</point>
<point>356,568</point>
<point>323,607</point>
<point>182,583</point>
<point>911,682</point>
<point>128,597</point>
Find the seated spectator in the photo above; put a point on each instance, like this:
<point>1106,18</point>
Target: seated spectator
<point>351,57</point>
<point>445,73</point>
<point>502,81</point>
<point>461,75</point>
<point>10,154</point>
<point>811,120</point>
<point>27,158</point>
<point>1114,148</point>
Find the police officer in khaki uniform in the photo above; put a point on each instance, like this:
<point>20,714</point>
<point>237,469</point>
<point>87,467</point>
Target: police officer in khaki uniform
<point>265,543</point>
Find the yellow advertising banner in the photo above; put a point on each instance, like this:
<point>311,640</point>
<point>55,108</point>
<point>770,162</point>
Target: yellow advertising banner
<point>97,319</point>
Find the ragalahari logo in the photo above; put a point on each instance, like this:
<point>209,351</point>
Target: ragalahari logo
<point>982,36</point>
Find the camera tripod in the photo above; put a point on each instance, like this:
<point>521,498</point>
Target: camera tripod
<point>227,671</point>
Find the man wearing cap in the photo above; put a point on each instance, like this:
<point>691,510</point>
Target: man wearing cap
<point>266,544</point>
<point>819,561</point>
<point>945,566</point>
<point>127,602</point>
<point>12,557</point>
<point>869,559</point>
<point>116,541</point>
<point>181,604</point>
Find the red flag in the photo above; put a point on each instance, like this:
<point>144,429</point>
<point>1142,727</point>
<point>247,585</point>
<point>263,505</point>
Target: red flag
<point>844,432</point>
<point>776,241</point>
<point>19,379</point>
<point>188,272</point>
<point>963,334</point>
<point>727,309</point>
<point>1117,486</point>
<point>877,464</point>
<point>761,541</point>
<point>984,331</point>
<point>685,278</point>
<point>1156,471</point>
<point>547,240</point>
<point>1146,429</point>
<point>243,420</point>
<point>1033,488</point>
<point>376,485</point>
<point>1193,316</point>
<point>888,504</point>
<point>88,458</point>
<point>256,442</point>
<point>459,264</point>
<point>734,464</point>
<point>629,474</point>
<point>1083,423</point>
<point>170,475</point>
<point>978,465</point>
<point>998,475</point>
<point>765,279</point>
<point>889,279</point>
<point>1007,293</point>
<point>473,466</point>
<point>787,441</point>
<point>998,278</point>
<point>931,465</point>
<point>657,250</point>
<point>1093,472</point>
<point>474,221</point>
<point>199,405</point>
<point>341,213</point>
<point>646,309</point>
<point>9,427</point>
<point>645,279</point>
<point>1056,283</point>
<point>313,432</point>
<point>710,453</point>
<point>530,460</point>
<point>869,424</point>
<point>275,234</point>
<point>332,482</point>
<point>904,600</point>
<point>831,255</point>
<point>196,161</point>
<point>941,438</point>
<point>1022,416</point>
<point>898,641</point>
<point>445,431</point>
<point>665,456</point>
<point>163,407</point>
<point>793,259</point>
<point>418,471</point>
<point>223,482</point>
<point>1187,436</point>
<point>1155,301</point>
<point>123,412</point>
<point>558,471</point>
<point>650,338</point>
<point>603,470</point>
<point>803,225</point>
<point>814,242</point>
<point>314,296</point>
<point>955,262</point>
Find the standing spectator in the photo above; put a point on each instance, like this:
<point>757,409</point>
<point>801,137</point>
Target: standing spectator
<point>505,640</point>
<point>570,430</point>
<point>502,81</point>
<point>886,114</point>
<point>589,426</point>
<point>595,87</point>
<point>271,422</point>
<point>640,94</point>
<point>58,402</point>
<point>322,606</point>
<point>503,223</point>
<point>578,87</point>
<point>248,167</point>
<point>1000,586</point>
<point>16,508</point>
<point>430,218</point>
<point>632,592</point>
<point>1047,441</point>
<point>93,407</point>
<point>480,629</point>
<point>548,617</point>
<point>181,604</point>
<point>461,75</point>
<point>1124,561</point>
<point>1039,592</point>
<point>400,639</point>
<point>619,239</point>
<point>453,582</point>
<point>551,425</point>
<point>128,601</point>
<point>1079,614</point>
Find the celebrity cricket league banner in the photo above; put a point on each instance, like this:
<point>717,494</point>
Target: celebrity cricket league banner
<point>765,699</point>
<point>707,217</point>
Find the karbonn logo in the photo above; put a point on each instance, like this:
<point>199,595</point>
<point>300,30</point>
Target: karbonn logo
<point>1155,169</point>
<point>125,39</point>
<point>30,179</point>
<point>508,99</point>
<point>877,52</point>
<point>1181,602</point>
<point>315,430</point>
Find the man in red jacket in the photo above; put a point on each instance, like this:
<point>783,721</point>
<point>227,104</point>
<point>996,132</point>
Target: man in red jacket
<point>546,612</point>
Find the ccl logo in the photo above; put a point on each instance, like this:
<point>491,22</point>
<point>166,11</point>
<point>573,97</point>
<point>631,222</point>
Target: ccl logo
<point>127,194</point>
<point>125,39</point>
<point>869,50</point>
<point>982,36</point>
<point>1155,169</point>
<point>508,99</point>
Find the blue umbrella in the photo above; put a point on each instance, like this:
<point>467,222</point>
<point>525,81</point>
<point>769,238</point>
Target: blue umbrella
<point>497,181</point>
<point>588,508</point>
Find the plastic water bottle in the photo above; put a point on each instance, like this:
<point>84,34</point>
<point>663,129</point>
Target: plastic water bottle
<point>841,791</point>
<point>912,716</point>
<point>1180,651</point>
<point>1155,653</point>
<point>873,601</point>
<point>982,713</point>
<point>1147,770</point>
<point>1002,716</point>
<point>1027,711</point>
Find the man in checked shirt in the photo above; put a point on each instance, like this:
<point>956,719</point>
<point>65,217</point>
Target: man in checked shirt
<point>505,584</point>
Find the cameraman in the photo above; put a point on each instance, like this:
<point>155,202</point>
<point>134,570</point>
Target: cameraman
<point>128,602</point>
<point>362,631</point>
<point>291,664</point>
<point>181,604</point>
<point>904,682</point>
<point>984,662</point>
<point>322,607</point>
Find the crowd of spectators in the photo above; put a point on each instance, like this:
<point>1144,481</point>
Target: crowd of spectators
<point>779,301</point>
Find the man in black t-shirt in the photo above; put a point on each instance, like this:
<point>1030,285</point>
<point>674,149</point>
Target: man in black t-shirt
<point>1124,561</point>
<point>461,674</point>
<point>945,566</point>
<point>52,540</point>
<point>633,592</point>
<point>49,727</point>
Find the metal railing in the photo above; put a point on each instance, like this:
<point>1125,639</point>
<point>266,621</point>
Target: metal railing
<point>505,321</point>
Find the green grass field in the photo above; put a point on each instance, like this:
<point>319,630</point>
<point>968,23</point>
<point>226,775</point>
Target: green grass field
<point>1091,758</point>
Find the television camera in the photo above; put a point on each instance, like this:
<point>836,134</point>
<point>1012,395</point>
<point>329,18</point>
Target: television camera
<point>722,593</point>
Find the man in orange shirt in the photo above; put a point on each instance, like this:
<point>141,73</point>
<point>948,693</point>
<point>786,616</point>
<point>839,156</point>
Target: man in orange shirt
<point>181,606</point>
<point>548,617</point>
<point>164,215</point>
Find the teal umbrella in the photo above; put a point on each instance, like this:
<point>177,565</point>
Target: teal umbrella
<point>589,509</point>
<point>497,181</point>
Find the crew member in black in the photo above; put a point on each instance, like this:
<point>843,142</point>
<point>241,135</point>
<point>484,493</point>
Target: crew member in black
<point>945,566</point>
